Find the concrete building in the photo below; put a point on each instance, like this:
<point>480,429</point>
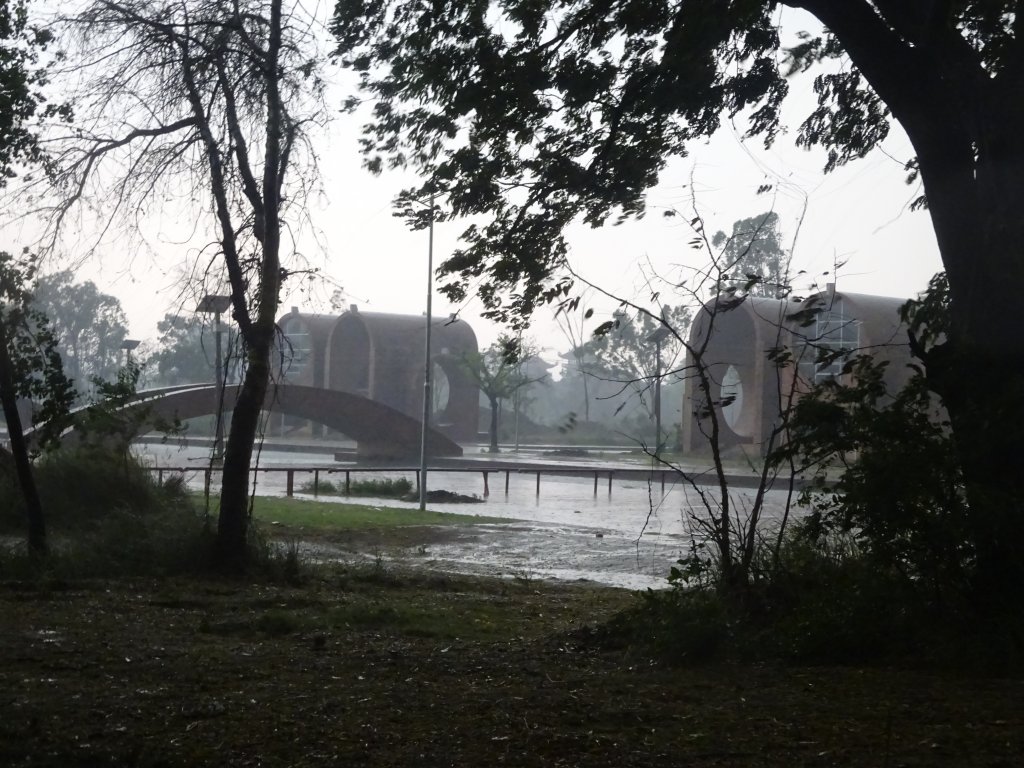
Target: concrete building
<point>381,356</point>
<point>741,346</point>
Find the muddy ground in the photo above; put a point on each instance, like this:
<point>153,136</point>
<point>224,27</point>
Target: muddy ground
<point>374,667</point>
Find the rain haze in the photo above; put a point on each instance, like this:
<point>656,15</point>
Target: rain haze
<point>858,217</point>
<point>734,493</point>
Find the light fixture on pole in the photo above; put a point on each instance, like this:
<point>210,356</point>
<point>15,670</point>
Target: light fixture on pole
<point>215,305</point>
<point>427,362</point>
<point>128,345</point>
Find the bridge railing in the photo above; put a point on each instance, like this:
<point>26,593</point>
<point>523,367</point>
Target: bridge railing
<point>599,475</point>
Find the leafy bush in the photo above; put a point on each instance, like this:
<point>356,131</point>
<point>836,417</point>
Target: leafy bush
<point>687,626</point>
<point>840,614</point>
<point>898,487</point>
<point>79,487</point>
<point>323,486</point>
<point>109,517</point>
<point>827,601</point>
<point>383,488</point>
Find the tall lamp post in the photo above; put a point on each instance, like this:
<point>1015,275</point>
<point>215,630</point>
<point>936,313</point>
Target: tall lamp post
<point>657,338</point>
<point>128,345</point>
<point>215,305</point>
<point>427,363</point>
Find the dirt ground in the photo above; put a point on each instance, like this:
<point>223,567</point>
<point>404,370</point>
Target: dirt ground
<point>376,668</point>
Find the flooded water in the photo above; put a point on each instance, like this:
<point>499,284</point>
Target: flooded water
<point>628,536</point>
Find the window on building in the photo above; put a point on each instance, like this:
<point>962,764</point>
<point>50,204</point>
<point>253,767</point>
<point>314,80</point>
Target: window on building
<point>833,338</point>
<point>298,347</point>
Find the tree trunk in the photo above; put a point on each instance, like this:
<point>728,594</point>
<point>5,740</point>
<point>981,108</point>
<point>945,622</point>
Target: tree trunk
<point>494,424</point>
<point>965,124</point>
<point>980,377</point>
<point>265,198</point>
<point>985,400</point>
<point>231,549</point>
<point>979,371</point>
<point>37,545</point>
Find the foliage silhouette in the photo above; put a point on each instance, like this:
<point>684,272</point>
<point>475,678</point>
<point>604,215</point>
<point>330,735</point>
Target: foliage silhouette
<point>221,95</point>
<point>534,115</point>
<point>30,370</point>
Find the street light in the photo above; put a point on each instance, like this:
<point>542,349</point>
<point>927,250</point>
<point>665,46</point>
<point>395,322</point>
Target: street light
<point>215,305</point>
<point>656,338</point>
<point>427,363</point>
<point>128,345</point>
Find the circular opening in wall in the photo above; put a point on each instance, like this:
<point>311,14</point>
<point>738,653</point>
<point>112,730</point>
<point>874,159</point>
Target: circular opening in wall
<point>440,390</point>
<point>731,394</point>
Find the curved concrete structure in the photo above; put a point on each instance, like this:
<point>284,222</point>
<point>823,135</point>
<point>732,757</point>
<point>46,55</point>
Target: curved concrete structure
<point>379,431</point>
<point>749,391</point>
<point>381,356</point>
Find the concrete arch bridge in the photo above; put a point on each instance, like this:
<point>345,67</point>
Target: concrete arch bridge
<point>380,432</point>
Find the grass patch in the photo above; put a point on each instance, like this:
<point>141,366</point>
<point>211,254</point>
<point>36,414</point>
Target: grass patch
<point>432,670</point>
<point>305,513</point>
<point>340,600</point>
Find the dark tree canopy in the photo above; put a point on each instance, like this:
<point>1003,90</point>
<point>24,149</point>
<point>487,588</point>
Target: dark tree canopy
<point>567,110</point>
<point>21,79</point>
<point>32,352</point>
<point>30,370</point>
<point>531,114</point>
<point>539,113</point>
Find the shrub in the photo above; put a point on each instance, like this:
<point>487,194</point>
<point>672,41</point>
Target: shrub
<point>828,600</point>
<point>383,488</point>
<point>896,483</point>
<point>109,517</point>
<point>323,486</point>
<point>81,487</point>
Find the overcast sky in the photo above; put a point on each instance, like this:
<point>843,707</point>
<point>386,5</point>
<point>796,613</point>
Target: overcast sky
<point>858,215</point>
